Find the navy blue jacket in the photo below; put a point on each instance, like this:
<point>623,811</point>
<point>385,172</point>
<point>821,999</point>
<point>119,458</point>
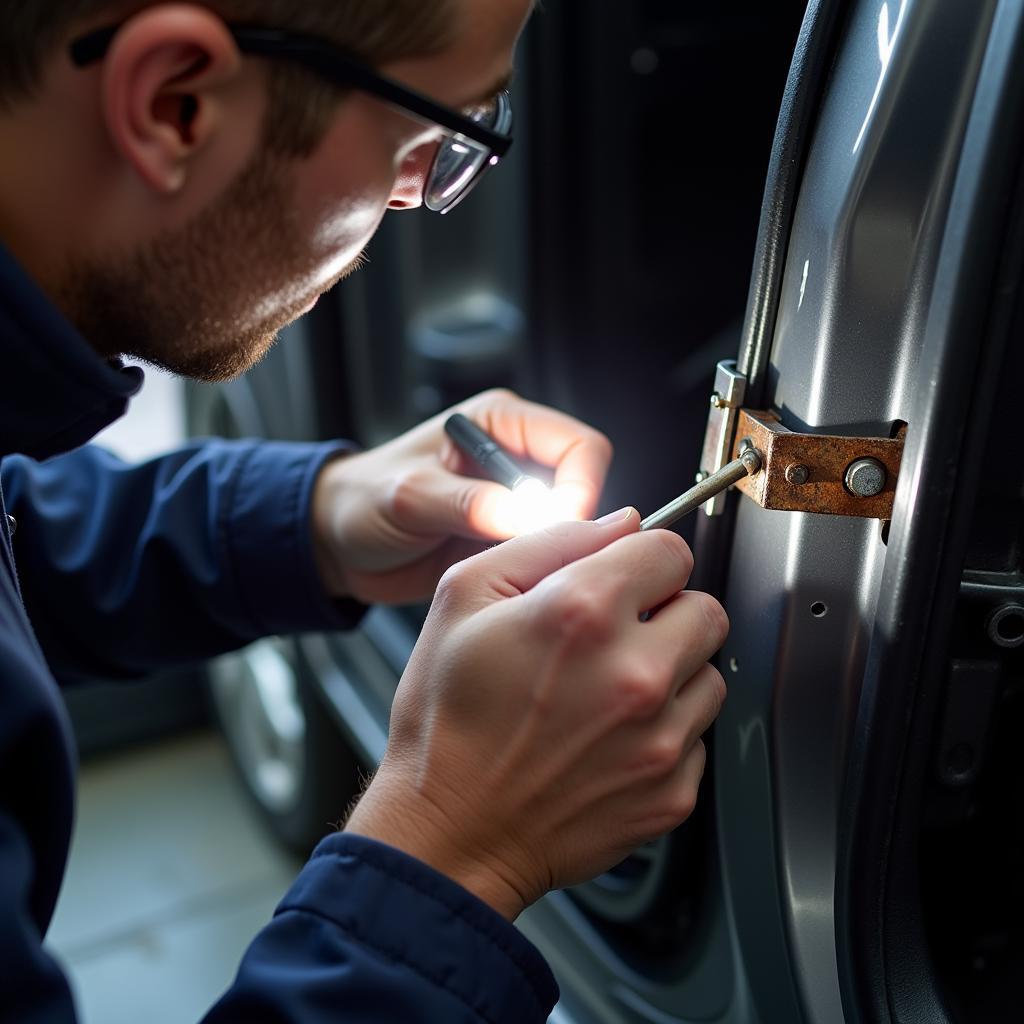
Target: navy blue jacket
<point>116,570</point>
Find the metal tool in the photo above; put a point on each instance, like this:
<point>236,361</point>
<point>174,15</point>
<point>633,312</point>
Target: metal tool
<point>748,464</point>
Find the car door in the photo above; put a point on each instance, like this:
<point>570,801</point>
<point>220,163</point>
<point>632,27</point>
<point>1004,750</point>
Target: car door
<point>868,817</point>
<point>866,848</point>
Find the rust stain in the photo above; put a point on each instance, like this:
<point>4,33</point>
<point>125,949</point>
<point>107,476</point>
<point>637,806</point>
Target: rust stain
<point>826,457</point>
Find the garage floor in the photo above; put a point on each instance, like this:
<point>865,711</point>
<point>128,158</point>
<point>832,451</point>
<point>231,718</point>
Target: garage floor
<point>171,875</point>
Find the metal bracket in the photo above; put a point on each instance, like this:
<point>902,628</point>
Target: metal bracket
<point>823,473</point>
<point>726,399</point>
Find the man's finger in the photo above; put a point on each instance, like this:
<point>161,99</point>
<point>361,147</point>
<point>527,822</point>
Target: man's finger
<point>654,566</point>
<point>417,580</point>
<point>432,502</point>
<point>697,703</point>
<point>520,564</point>
<point>579,454</point>
<point>458,506</point>
<point>670,802</point>
<point>691,624</point>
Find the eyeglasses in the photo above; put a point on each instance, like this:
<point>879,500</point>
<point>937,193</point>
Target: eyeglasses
<point>475,139</point>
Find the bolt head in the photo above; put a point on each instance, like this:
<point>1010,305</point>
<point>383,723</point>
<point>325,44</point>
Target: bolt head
<point>865,478</point>
<point>797,474</point>
<point>717,402</point>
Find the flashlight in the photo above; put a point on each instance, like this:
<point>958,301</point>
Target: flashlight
<point>532,504</point>
<point>485,451</point>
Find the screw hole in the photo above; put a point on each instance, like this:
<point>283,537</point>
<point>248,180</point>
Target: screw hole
<point>643,61</point>
<point>1006,626</point>
<point>819,609</point>
<point>960,761</point>
<point>1011,628</point>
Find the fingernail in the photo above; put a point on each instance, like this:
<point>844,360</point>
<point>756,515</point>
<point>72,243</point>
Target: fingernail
<point>615,517</point>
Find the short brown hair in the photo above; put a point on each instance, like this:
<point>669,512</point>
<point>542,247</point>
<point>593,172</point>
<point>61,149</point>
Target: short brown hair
<point>376,31</point>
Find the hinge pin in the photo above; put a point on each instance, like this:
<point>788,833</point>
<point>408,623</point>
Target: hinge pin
<point>865,478</point>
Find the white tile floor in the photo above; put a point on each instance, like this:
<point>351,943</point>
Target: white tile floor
<point>170,876</point>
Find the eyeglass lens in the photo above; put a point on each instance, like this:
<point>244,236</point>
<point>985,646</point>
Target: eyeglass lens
<point>460,162</point>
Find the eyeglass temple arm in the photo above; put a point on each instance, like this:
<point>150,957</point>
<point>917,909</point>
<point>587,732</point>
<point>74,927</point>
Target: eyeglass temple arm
<point>327,62</point>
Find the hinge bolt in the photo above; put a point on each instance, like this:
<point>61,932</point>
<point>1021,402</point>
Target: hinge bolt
<point>865,478</point>
<point>717,401</point>
<point>797,474</point>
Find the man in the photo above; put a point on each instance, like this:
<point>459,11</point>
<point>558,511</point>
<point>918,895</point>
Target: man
<point>178,183</point>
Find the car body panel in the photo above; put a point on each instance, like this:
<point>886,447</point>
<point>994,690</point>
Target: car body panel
<point>855,292</point>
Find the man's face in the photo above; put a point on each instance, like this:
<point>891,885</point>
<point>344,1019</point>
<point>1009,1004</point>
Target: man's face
<point>207,300</point>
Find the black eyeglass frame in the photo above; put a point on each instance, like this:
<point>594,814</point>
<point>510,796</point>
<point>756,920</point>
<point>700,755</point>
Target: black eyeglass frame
<point>335,65</point>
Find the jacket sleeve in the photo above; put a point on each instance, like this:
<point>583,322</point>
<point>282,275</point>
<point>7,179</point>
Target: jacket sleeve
<point>129,568</point>
<point>368,935</point>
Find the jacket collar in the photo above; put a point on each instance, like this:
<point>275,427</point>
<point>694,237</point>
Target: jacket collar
<point>55,392</point>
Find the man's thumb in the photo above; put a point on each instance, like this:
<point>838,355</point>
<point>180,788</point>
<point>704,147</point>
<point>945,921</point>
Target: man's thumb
<point>520,564</point>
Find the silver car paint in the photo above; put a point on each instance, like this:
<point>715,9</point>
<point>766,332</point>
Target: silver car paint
<point>856,290</point>
<point>843,358</point>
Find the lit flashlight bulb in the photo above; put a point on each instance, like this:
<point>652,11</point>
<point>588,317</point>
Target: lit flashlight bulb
<point>533,505</point>
<point>528,504</point>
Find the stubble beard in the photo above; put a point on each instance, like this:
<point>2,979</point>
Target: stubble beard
<point>206,301</point>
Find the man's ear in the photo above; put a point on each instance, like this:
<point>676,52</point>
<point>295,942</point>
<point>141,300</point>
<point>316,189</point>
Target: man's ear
<point>165,86</point>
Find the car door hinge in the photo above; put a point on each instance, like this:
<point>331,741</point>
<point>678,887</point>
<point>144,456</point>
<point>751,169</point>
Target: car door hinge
<point>823,473</point>
<point>726,399</point>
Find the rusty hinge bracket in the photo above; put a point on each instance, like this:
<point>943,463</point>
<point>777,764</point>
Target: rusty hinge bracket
<point>823,473</point>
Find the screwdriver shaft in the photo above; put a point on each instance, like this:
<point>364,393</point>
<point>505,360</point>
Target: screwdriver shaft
<point>748,464</point>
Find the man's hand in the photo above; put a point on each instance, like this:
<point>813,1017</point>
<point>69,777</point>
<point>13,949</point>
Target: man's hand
<point>389,521</point>
<point>543,729</point>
